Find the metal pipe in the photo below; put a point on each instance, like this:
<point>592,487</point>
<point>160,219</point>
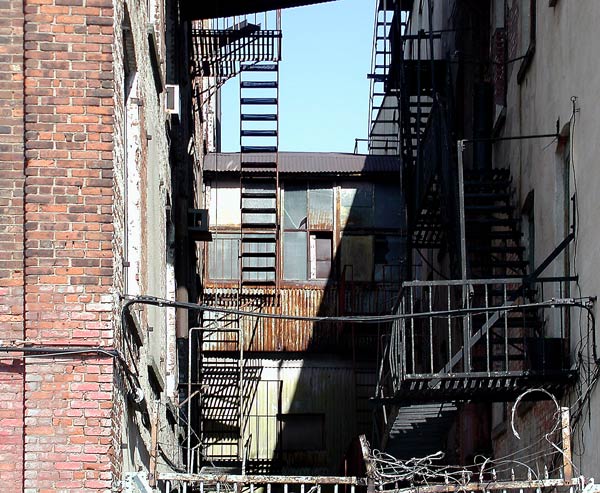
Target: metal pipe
<point>460,147</point>
<point>189,402</point>
<point>62,350</point>
<point>516,137</point>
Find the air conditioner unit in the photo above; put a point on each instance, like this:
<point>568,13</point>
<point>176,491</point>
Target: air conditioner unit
<point>172,99</point>
<point>198,225</point>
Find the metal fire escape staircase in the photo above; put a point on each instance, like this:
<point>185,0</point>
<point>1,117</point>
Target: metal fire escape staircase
<point>479,343</point>
<point>250,47</point>
<point>486,339</point>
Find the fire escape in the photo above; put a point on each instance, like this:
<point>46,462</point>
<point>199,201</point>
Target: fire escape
<point>497,327</point>
<point>247,46</point>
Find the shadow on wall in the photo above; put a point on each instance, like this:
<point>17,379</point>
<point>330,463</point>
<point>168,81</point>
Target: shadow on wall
<point>308,383</point>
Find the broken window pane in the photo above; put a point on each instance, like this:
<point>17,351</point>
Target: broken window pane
<point>320,214</point>
<point>294,206</point>
<point>389,254</point>
<point>295,262</point>
<point>223,256</point>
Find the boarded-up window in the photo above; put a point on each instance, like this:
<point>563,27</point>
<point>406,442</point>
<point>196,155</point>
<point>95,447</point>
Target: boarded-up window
<point>302,432</point>
<point>295,246</point>
<point>357,257</point>
<point>389,254</point>
<point>223,256</point>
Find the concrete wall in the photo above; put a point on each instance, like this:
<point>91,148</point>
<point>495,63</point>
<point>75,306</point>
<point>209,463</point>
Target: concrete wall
<point>141,244</point>
<point>566,42</point>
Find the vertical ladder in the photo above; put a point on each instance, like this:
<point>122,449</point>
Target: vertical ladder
<point>383,131</point>
<point>259,174</point>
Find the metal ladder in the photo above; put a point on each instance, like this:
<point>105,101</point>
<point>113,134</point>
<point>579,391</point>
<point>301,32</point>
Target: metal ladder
<point>259,174</point>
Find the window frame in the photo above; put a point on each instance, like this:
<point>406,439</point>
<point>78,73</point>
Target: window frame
<point>308,229</point>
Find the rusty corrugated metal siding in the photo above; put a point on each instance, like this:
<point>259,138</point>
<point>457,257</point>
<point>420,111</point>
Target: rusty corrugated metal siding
<point>295,335</point>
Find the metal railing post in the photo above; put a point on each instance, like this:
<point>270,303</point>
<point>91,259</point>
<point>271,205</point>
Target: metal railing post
<point>189,400</point>
<point>460,147</point>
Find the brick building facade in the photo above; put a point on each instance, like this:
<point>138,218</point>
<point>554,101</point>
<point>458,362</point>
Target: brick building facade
<point>74,169</point>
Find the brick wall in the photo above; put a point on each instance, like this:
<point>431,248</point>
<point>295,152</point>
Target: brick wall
<point>63,235</point>
<point>11,240</point>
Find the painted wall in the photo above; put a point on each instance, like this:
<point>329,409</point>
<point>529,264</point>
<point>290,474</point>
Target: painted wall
<point>566,41</point>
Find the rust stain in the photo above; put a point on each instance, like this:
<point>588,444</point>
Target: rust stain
<point>270,335</point>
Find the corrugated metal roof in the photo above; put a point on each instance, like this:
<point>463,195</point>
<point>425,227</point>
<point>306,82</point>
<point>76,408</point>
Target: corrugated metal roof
<point>307,162</point>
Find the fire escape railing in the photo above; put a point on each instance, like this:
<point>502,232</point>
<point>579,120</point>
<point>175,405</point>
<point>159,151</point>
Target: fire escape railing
<point>221,50</point>
<point>478,339</point>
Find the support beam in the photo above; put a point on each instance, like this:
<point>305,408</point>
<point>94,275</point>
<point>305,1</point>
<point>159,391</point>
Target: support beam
<point>195,10</point>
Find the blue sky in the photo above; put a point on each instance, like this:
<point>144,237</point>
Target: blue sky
<point>324,90</point>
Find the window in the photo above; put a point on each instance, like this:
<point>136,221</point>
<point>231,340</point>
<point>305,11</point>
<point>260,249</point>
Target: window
<point>357,257</point>
<point>389,206</point>
<point>320,255</point>
<point>388,258</point>
<point>302,432</point>
<point>223,256</point>
<point>307,235</point>
<point>294,255</point>
<point>356,205</point>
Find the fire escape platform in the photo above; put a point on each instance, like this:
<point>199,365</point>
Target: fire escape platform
<point>480,387</point>
<point>195,10</point>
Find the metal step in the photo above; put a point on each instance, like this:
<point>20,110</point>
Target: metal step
<point>258,101</point>
<point>489,208</point>
<point>259,210</point>
<point>258,225</point>
<point>258,254</point>
<point>263,67</point>
<point>252,84</point>
<point>258,117</point>
<point>495,196</point>
<point>258,195</point>
<point>250,149</point>
<point>258,133</point>
<point>499,249</point>
<point>492,221</point>
<point>487,185</point>
<point>249,268</point>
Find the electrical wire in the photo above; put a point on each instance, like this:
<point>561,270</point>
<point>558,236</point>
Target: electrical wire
<point>430,265</point>
<point>459,312</point>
